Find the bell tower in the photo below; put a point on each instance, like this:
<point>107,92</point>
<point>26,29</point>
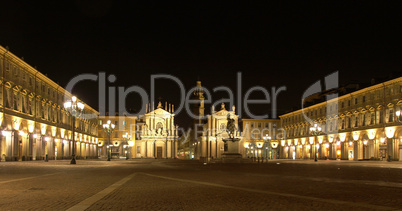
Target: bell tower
<point>199,108</point>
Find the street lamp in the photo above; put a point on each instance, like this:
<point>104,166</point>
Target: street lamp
<point>75,109</point>
<point>315,131</point>
<point>127,137</point>
<point>108,128</point>
<point>267,141</point>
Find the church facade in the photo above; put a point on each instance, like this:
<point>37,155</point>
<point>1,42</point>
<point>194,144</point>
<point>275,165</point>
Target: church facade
<point>210,144</point>
<point>151,135</point>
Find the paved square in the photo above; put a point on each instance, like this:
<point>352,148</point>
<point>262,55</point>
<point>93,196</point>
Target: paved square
<point>149,184</point>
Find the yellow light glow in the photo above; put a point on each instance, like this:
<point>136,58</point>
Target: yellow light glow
<point>43,130</point>
<point>371,133</point>
<point>311,140</point>
<point>296,141</point>
<point>16,124</point>
<point>31,127</point>
<point>330,138</point>
<point>274,144</point>
<point>320,139</point>
<point>303,141</point>
<point>246,145</point>
<point>342,137</point>
<point>308,146</point>
<point>356,135</point>
<point>131,143</point>
<point>390,131</point>
<point>338,152</point>
<point>283,143</point>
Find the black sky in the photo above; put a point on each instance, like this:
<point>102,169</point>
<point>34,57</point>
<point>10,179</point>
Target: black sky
<point>289,44</point>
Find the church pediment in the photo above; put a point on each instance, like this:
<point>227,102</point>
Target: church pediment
<point>159,112</point>
<point>222,113</point>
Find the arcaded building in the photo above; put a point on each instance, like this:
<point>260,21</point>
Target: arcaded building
<point>33,121</point>
<point>261,138</point>
<point>361,125</point>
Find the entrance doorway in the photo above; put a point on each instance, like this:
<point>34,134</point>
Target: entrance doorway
<point>159,152</point>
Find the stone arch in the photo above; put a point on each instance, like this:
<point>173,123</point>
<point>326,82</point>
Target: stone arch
<point>398,133</point>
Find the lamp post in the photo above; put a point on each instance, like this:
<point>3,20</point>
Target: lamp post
<point>127,137</point>
<point>267,141</point>
<point>315,131</point>
<point>109,129</point>
<point>74,108</point>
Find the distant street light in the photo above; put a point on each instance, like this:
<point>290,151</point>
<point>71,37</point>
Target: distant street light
<point>75,109</point>
<point>127,137</point>
<point>315,131</point>
<point>267,141</point>
<point>109,129</point>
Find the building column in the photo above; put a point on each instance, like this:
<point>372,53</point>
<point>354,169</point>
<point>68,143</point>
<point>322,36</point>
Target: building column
<point>154,150</point>
<point>344,151</point>
<point>146,149</point>
<point>355,150</point>
<point>395,149</point>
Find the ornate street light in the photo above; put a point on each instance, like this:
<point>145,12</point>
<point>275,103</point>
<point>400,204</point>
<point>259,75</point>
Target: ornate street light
<point>315,131</point>
<point>267,140</point>
<point>75,109</point>
<point>127,137</point>
<point>109,129</point>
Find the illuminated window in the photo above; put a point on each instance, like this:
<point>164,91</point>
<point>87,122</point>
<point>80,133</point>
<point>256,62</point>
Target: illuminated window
<point>391,115</point>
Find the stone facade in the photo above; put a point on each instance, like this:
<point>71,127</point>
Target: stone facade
<point>360,125</point>
<point>152,135</point>
<point>210,144</point>
<point>261,138</point>
<point>34,123</point>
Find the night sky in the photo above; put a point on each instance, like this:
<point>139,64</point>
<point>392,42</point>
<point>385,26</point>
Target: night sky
<point>271,44</point>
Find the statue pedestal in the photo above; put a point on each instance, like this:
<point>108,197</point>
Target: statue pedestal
<point>231,153</point>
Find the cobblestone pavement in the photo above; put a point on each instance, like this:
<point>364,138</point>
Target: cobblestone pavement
<point>148,184</point>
